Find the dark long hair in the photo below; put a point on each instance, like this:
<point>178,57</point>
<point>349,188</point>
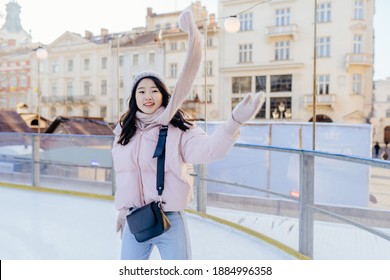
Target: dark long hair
<point>127,120</point>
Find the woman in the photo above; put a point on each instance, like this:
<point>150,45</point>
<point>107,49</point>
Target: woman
<point>150,107</point>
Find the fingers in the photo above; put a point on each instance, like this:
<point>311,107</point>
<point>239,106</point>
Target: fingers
<point>246,99</point>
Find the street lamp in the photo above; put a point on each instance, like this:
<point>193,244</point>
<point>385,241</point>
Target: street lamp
<point>41,54</point>
<point>232,24</point>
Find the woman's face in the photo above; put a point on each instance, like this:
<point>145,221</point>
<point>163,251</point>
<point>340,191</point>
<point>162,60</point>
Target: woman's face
<point>147,96</point>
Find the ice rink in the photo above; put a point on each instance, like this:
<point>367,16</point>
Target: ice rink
<point>48,226</point>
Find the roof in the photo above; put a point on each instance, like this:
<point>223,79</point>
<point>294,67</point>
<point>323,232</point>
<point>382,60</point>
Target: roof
<point>80,125</point>
<point>11,121</point>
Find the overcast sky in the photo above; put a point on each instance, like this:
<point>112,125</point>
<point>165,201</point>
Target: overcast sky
<point>49,19</point>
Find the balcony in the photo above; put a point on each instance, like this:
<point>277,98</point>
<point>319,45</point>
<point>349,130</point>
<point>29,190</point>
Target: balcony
<point>282,31</point>
<point>81,99</point>
<point>358,59</point>
<point>328,100</point>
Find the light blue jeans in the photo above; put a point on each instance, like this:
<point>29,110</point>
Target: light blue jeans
<point>173,244</point>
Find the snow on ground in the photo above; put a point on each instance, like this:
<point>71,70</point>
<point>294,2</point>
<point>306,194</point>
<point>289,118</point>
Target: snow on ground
<point>46,226</point>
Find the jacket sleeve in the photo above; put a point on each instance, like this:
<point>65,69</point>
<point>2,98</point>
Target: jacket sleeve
<point>190,68</point>
<point>199,147</point>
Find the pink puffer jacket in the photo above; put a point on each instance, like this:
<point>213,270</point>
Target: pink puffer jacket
<point>136,168</point>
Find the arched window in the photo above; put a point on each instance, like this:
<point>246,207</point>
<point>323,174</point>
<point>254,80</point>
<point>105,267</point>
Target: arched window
<point>321,118</point>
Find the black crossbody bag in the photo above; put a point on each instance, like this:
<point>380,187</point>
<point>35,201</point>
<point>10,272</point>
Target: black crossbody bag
<point>150,220</point>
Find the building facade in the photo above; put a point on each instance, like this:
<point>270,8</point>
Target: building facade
<point>274,52</point>
<point>15,59</point>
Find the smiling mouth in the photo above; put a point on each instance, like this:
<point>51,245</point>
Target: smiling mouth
<point>149,104</point>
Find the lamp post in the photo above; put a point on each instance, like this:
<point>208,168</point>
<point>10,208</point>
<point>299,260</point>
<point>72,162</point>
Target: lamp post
<point>315,75</point>
<point>41,54</point>
<point>118,92</point>
<point>232,24</point>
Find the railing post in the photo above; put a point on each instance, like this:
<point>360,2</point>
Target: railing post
<point>36,169</point>
<point>113,180</point>
<point>306,199</point>
<point>201,188</point>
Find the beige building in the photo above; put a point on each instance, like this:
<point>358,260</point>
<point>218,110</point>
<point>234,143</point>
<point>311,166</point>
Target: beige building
<point>91,75</point>
<point>274,49</point>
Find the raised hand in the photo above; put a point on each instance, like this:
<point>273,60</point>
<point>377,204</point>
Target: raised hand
<point>248,107</point>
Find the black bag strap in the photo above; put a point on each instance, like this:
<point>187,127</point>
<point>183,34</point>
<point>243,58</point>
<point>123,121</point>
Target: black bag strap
<point>160,153</point>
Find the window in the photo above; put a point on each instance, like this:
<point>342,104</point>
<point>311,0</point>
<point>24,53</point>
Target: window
<point>324,12</point>
<point>261,83</point>
<point>359,9</point>
<point>87,88</point>
<point>4,80</point>
<point>357,43</point>
<point>241,84</point>
<point>69,88</point>
<point>121,104</point>
<point>281,83</point>
<point>121,60</point>
<point>168,26</point>
<point>54,67</point>
<point>280,107</point>
<point>103,87</point>
<point>173,70</point>
<point>245,53</point>
<point>282,17</point>
<point>53,112</point>
<point>69,111</point>
<point>23,80</point>
<point>246,22</point>
<point>13,81</point>
<point>209,95</point>
<point>323,84</point>
<point>70,65</point>
<point>323,47</point>
<point>54,89</point>
<point>86,64</point>
<point>152,58</point>
<point>121,82</point>
<point>357,84</point>
<point>174,46</point>
<point>85,112</point>
<point>135,59</point>
<point>209,68</point>
<point>388,113</point>
<point>282,50</point>
<point>210,42</point>
<point>103,111</point>
<point>104,62</point>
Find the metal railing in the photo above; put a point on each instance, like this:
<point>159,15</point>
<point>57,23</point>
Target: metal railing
<point>306,201</point>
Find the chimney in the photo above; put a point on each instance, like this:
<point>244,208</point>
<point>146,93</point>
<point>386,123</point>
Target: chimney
<point>212,20</point>
<point>103,32</point>
<point>149,12</point>
<point>88,34</point>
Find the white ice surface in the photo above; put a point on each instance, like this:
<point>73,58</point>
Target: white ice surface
<point>45,226</point>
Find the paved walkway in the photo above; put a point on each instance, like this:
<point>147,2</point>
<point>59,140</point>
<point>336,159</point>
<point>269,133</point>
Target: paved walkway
<point>46,226</point>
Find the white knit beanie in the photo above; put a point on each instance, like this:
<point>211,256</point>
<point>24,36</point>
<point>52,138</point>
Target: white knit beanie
<point>145,74</point>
